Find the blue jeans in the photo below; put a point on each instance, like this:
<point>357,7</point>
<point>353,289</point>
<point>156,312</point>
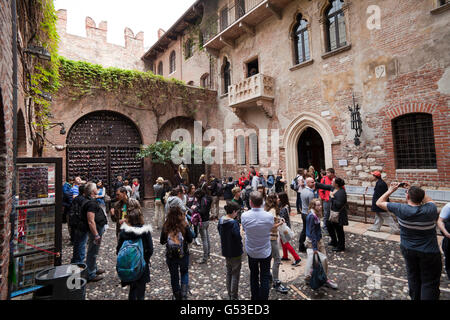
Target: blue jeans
<point>178,268</point>
<point>204,234</point>
<point>326,213</point>
<point>91,259</point>
<point>79,246</point>
<point>259,277</point>
<point>298,203</point>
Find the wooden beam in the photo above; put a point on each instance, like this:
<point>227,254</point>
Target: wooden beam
<point>247,28</point>
<point>227,42</point>
<point>173,37</point>
<point>276,11</point>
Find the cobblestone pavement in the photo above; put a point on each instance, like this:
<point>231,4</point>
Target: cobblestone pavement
<point>350,269</point>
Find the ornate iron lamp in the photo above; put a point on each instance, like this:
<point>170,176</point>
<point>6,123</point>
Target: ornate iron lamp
<point>61,124</point>
<point>356,121</point>
<point>38,51</point>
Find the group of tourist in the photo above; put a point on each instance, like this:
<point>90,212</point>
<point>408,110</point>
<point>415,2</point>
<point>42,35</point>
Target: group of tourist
<point>256,208</point>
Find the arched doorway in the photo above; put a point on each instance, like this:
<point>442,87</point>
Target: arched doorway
<point>165,133</point>
<point>292,137</point>
<point>21,135</point>
<point>102,145</point>
<point>310,150</point>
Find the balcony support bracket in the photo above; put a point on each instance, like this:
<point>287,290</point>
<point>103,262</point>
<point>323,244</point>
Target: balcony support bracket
<point>276,11</point>
<point>247,28</point>
<point>227,42</point>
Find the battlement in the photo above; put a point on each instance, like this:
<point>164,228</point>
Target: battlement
<point>95,48</point>
<point>99,33</point>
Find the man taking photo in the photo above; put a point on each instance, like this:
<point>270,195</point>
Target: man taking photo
<point>418,240</point>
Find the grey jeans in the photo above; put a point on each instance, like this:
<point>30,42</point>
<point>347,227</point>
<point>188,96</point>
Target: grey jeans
<point>233,274</point>
<point>276,259</point>
<point>379,220</point>
<point>215,207</point>
<point>204,234</point>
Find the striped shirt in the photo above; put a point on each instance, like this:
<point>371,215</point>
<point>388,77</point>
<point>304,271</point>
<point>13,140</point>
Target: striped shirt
<point>417,226</point>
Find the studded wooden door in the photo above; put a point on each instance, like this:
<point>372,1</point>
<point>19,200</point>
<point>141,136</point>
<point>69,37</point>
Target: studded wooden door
<point>103,145</point>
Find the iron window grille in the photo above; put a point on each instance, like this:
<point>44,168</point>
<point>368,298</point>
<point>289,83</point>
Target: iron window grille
<point>414,141</point>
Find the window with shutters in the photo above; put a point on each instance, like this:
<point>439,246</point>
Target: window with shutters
<point>253,144</point>
<point>240,141</point>
<point>172,62</point>
<point>160,68</point>
<point>226,75</point>
<point>413,137</point>
<point>335,25</point>
<point>204,81</point>
<point>300,35</point>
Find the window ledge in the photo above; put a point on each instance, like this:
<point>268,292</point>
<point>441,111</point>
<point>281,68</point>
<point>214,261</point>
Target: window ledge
<point>301,65</point>
<point>441,9</point>
<point>416,170</point>
<point>224,95</point>
<point>336,51</point>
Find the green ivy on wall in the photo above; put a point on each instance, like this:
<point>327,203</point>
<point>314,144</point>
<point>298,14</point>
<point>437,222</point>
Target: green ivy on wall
<point>45,74</point>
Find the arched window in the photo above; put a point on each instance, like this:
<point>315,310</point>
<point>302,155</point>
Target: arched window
<point>204,81</point>
<point>240,141</point>
<point>160,68</point>
<point>301,40</point>
<point>253,144</point>
<point>335,25</point>
<point>172,62</point>
<point>414,141</point>
<point>189,48</point>
<point>226,75</point>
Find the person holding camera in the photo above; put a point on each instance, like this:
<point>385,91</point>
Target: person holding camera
<point>418,240</point>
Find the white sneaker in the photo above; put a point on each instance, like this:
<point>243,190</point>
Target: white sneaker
<point>331,284</point>
<point>197,242</point>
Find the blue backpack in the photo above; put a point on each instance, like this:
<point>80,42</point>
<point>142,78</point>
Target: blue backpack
<point>130,260</point>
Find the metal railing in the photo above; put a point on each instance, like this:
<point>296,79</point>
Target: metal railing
<point>229,15</point>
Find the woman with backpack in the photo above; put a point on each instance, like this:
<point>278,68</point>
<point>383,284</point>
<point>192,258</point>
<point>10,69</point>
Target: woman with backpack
<point>285,209</point>
<point>132,230</point>
<point>176,235</point>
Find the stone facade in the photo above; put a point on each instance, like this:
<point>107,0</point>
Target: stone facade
<point>400,68</point>
<point>95,49</point>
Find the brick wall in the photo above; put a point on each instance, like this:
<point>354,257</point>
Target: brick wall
<point>95,49</point>
<point>6,141</point>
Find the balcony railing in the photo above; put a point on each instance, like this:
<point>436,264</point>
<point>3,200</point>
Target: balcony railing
<point>230,15</point>
<point>249,91</point>
<point>242,17</point>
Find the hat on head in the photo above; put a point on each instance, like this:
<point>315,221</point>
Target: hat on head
<point>376,173</point>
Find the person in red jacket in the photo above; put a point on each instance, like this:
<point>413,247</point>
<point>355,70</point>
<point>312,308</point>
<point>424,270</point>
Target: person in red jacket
<point>252,172</point>
<point>242,180</point>
<point>325,196</point>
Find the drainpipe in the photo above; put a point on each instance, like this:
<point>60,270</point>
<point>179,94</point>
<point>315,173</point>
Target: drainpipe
<point>12,216</point>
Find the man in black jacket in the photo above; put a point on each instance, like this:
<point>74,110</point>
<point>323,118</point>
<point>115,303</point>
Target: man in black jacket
<point>380,214</point>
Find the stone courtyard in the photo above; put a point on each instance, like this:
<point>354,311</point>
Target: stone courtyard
<point>351,269</point>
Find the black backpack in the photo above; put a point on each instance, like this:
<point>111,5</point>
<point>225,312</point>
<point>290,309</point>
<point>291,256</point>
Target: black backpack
<point>219,188</point>
<point>75,215</point>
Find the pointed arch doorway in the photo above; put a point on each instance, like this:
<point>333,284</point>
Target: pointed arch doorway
<point>293,137</point>
<point>310,150</point>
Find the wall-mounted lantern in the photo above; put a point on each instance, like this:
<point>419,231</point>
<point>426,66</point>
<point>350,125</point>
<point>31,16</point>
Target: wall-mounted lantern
<point>38,51</point>
<point>356,122</point>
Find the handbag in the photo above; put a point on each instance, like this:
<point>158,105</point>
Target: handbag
<point>334,216</point>
<point>309,261</point>
<point>286,234</point>
<point>318,277</point>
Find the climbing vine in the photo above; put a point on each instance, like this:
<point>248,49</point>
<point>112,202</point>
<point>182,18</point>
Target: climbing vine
<point>132,88</point>
<point>45,74</point>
